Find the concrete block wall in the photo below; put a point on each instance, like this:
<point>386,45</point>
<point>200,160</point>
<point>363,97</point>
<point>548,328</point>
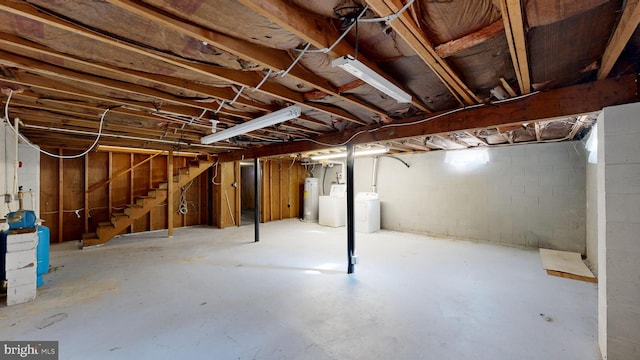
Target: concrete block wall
<point>529,195</point>
<point>618,176</point>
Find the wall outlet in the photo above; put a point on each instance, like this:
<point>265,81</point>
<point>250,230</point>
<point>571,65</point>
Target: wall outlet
<point>7,198</point>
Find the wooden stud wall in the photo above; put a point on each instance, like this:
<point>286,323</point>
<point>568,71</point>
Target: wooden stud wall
<point>64,183</point>
<point>282,184</point>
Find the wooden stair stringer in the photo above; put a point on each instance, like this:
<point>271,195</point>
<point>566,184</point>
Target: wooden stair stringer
<point>143,205</point>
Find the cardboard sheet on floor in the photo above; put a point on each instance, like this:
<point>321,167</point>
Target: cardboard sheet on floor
<point>566,264</point>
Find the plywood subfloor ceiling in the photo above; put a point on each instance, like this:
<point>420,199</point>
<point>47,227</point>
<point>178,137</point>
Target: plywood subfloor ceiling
<point>166,68</point>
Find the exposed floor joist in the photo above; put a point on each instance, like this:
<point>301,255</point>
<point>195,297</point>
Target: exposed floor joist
<point>243,78</point>
<point>273,59</point>
<point>514,28</point>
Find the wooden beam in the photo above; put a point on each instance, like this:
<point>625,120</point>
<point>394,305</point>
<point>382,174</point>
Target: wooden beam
<point>315,29</point>
<point>247,79</point>
<point>272,59</point>
<point>476,38</point>
<point>86,193</point>
<point>170,187</point>
<point>60,195</point>
<point>406,27</point>
<point>557,103</point>
<point>537,128</point>
<point>626,26</point>
<point>514,27</point>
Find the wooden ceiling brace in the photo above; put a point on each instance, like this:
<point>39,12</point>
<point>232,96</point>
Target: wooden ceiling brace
<point>471,135</point>
<point>538,130</point>
<point>468,41</point>
<point>415,38</point>
<point>315,29</point>
<point>626,26</point>
<point>577,126</point>
<point>242,78</point>
<point>515,32</point>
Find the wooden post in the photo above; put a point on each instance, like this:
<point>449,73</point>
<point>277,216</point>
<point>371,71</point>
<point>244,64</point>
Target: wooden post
<point>131,199</point>
<point>170,186</point>
<point>110,186</point>
<point>60,195</point>
<point>86,193</point>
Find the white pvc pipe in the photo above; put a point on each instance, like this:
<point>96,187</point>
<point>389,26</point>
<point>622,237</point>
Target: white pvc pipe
<point>374,175</point>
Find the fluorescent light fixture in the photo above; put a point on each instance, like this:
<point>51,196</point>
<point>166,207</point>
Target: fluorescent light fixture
<point>343,154</point>
<point>273,118</point>
<point>364,73</point>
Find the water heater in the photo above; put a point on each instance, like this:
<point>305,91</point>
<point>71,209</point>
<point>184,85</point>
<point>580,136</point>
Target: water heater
<point>311,196</point>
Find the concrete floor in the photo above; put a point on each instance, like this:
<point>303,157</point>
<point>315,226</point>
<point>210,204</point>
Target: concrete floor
<point>214,294</point>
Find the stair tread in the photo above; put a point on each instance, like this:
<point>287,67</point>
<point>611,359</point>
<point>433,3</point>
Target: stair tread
<point>132,212</point>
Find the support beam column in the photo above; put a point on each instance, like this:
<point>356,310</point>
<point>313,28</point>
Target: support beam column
<point>351,230</point>
<point>170,186</point>
<point>256,195</point>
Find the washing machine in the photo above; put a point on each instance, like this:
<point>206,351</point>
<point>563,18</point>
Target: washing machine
<point>333,208</point>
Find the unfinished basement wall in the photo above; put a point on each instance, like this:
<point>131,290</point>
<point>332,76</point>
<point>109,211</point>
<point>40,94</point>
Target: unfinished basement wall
<point>618,177</point>
<point>528,195</point>
<point>76,194</point>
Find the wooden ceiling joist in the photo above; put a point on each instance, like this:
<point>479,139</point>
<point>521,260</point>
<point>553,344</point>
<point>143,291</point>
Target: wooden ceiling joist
<point>406,27</point>
<point>626,26</point>
<point>26,48</point>
<point>558,103</point>
<point>514,28</point>
<point>246,79</point>
<point>273,59</point>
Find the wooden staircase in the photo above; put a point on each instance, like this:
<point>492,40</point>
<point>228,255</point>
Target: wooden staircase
<point>143,204</point>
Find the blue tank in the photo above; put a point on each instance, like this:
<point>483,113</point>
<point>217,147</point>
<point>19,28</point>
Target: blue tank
<point>42,254</point>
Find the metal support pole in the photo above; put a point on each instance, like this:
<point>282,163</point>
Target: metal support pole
<point>257,179</point>
<point>351,230</point>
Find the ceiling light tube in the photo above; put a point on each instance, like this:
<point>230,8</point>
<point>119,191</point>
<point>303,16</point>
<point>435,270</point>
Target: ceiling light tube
<point>344,154</point>
<point>273,118</point>
<point>364,73</point>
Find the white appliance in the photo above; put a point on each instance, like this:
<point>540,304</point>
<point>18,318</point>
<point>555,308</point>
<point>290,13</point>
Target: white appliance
<point>310,203</point>
<point>333,208</point>
<point>367,212</point>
